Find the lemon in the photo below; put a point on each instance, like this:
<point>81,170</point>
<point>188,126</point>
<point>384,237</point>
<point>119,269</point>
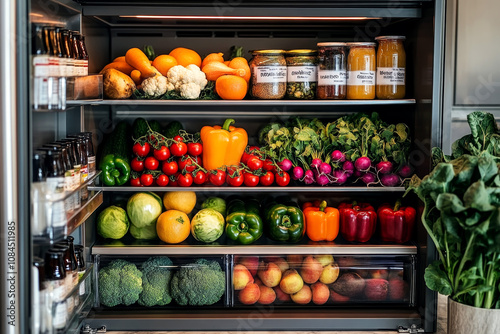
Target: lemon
<point>180,200</point>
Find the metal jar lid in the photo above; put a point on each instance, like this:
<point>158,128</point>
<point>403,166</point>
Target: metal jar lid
<point>390,37</point>
<point>361,44</point>
<point>267,52</point>
<point>331,44</point>
<point>302,52</point>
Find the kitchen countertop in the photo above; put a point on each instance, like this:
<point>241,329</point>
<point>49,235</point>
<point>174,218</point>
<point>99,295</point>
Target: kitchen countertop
<point>441,326</point>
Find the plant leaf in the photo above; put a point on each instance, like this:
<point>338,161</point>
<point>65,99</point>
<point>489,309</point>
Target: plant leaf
<point>477,197</point>
<point>436,279</point>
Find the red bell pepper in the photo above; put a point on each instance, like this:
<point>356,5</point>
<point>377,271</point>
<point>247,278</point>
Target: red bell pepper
<point>357,221</point>
<point>396,223</point>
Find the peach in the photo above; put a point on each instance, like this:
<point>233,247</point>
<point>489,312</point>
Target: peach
<point>380,273</point>
<point>250,294</point>
<point>294,260</point>
<point>270,274</point>
<point>280,295</point>
<point>241,277</point>
<point>330,273</point>
<point>303,296</point>
<point>320,293</point>
<point>324,259</point>
<point>311,270</point>
<point>267,295</point>
<point>251,262</point>
<point>291,281</point>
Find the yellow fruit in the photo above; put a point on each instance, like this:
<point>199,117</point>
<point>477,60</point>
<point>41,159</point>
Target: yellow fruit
<point>173,226</point>
<point>180,200</point>
<point>186,57</point>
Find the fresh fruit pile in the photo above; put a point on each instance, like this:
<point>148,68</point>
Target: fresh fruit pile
<point>317,279</point>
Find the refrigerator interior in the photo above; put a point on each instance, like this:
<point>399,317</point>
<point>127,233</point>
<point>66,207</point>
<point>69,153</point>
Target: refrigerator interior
<point>111,28</point>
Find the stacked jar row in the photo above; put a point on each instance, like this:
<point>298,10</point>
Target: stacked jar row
<point>335,71</point>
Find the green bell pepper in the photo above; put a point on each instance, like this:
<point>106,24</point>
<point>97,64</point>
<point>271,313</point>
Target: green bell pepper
<point>243,222</point>
<point>285,223</point>
<point>115,171</point>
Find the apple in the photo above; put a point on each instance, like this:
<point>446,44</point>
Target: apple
<point>250,294</point>
<point>320,293</point>
<point>303,296</point>
<point>241,277</point>
<point>251,262</point>
<point>337,297</point>
<point>282,263</point>
<point>398,289</point>
<point>291,281</point>
<point>330,273</point>
<point>376,289</point>
<point>269,273</point>
<point>294,260</point>
<point>267,295</point>
<point>311,270</point>
<point>324,259</point>
<point>280,295</point>
<point>380,273</point>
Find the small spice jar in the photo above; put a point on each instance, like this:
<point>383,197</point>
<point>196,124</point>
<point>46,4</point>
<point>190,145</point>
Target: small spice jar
<point>391,67</point>
<point>302,76</point>
<point>332,74</point>
<point>268,81</point>
<point>361,71</point>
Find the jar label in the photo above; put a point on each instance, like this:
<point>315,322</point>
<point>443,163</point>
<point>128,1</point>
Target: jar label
<point>302,74</point>
<point>269,74</point>
<point>361,78</point>
<point>330,78</point>
<point>391,76</point>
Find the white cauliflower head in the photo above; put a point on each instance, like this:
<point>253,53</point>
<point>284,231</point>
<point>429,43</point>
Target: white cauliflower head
<point>155,86</point>
<point>190,90</point>
<point>188,81</point>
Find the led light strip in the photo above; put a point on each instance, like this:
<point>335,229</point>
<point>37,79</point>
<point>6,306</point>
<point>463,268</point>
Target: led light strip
<point>198,17</point>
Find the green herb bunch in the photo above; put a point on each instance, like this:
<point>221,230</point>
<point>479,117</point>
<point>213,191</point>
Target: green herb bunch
<point>462,215</point>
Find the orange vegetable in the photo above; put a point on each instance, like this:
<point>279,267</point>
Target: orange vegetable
<point>242,63</point>
<point>121,58</point>
<point>213,57</point>
<point>215,69</point>
<point>136,76</point>
<point>186,56</point>
<point>120,66</point>
<point>231,87</point>
<point>163,63</point>
<point>223,146</point>
<point>138,60</point>
<point>322,223</point>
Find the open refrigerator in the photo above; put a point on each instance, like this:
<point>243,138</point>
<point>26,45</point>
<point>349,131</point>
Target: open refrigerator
<point>112,27</point>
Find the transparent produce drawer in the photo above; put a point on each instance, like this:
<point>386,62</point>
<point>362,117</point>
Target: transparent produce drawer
<point>156,282</point>
<point>323,281</point>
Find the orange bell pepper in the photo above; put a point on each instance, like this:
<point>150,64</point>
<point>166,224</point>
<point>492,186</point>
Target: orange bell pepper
<point>223,146</point>
<point>322,223</point>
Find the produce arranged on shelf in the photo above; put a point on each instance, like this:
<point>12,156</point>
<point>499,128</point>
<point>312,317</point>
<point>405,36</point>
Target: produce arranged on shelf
<point>322,221</point>
<point>316,279</point>
<point>114,154</point>
<point>158,281</point>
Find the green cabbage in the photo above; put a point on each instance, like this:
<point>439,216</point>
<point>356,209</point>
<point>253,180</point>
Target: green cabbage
<point>112,223</point>
<point>207,225</point>
<point>216,203</point>
<point>143,210</point>
<point>143,233</point>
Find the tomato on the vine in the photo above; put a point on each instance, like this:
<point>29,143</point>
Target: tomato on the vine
<point>137,165</point>
<point>147,179</point>
<point>251,180</point>
<point>162,180</point>
<point>162,154</point>
<point>217,178</point>
<point>173,180</point>
<point>185,180</point>
<point>235,180</point>
<point>135,182</point>
<point>141,151</point>
<point>151,163</point>
<point>254,163</point>
<point>267,179</point>
<point>268,165</point>
<point>245,157</point>
<point>189,163</point>
<point>282,179</point>
<point>169,167</point>
<point>200,177</point>
<point>178,138</point>
<point>178,149</point>
<point>194,149</point>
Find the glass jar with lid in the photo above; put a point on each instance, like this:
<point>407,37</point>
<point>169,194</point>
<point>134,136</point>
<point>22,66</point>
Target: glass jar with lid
<point>268,81</point>
<point>361,71</point>
<point>332,74</point>
<point>302,74</point>
<point>391,67</point>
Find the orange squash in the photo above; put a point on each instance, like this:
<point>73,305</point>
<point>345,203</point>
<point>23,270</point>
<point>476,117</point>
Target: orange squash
<point>215,69</point>
<point>138,60</point>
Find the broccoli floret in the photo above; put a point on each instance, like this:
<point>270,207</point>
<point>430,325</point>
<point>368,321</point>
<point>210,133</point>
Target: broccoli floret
<point>156,275</point>
<point>200,283</point>
<point>119,283</point>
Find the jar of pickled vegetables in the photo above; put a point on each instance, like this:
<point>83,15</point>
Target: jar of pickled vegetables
<point>332,74</point>
<point>391,67</point>
<point>268,81</point>
<point>361,71</point>
<point>302,76</point>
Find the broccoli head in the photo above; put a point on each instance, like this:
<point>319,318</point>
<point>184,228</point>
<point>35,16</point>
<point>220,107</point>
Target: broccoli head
<point>156,275</point>
<point>200,283</point>
<point>119,283</point>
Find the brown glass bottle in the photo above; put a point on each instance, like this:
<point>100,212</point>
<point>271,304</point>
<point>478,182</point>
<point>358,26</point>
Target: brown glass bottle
<point>55,277</point>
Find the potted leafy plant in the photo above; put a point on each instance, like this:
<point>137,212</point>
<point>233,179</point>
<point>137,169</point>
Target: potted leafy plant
<point>461,214</point>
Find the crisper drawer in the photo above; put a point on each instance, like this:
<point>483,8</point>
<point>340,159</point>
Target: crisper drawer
<point>173,282</point>
<point>323,281</point>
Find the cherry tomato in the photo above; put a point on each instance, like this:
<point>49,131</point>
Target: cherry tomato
<point>268,165</point>
<point>169,167</point>
<point>151,163</point>
<point>147,179</point>
<point>137,165</point>
<point>282,179</point>
<point>251,180</point>
<point>173,180</point>
<point>254,163</point>
<point>187,163</point>
<point>178,138</point>
<point>245,157</point>
<point>200,177</point>
<point>218,178</point>
<point>141,151</point>
<point>135,182</point>
<point>178,149</point>
<point>162,180</point>
<point>235,180</point>
<point>267,179</point>
<point>185,180</point>
<point>195,149</point>
<point>162,154</point>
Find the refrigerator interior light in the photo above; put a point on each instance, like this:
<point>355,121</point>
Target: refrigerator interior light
<point>208,17</point>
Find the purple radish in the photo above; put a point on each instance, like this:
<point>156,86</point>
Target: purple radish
<point>368,178</point>
<point>358,174</point>
<point>316,162</point>
<point>309,177</point>
<point>390,180</point>
<point>325,168</point>
<point>384,167</point>
<point>322,180</point>
<point>338,156</point>
<point>297,173</point>
<point>405,171</point>
<point>348,167</point>
<point>340,176</point>
<point>285,164</point>
<point>363,164</point>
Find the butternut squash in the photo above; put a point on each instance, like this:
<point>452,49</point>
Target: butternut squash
<point>138,60</point>
<point>119,66</point>
<point>215,69</point>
